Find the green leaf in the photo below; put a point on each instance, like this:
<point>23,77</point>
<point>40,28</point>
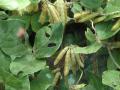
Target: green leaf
<point>113,6</point>
<point>110,64</point>
<point>35,1</point>
<point>25,84</point>
<point>26,65</point>
<point>35,22</point>
<point>93,48</point>
<point>4,61</point>
<point>112,79</point>
<point>103,30</point>
<point>90,36</point>
<point>14,4</point>
<point>44,80</point>
<point>9,42</point>
<point>9,79</point>
<point>91,4</point>
<point>25,18</point>
<point>76,7</point>
<point>48,40</point>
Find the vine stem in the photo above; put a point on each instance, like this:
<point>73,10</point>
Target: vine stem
<point>113,59</point>
<point>80,77</point>
<point>93,27</point>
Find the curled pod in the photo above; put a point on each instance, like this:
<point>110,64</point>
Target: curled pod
<point>99,19</point>
<point>67,63</point>
<point>116,26</point>
<point>77,16</point>
<point>79,61</point>
<point>88,17</point>
<point>53,14</point>
<point>57,76</point>
<point>60,56</point>
<point>73,62</point>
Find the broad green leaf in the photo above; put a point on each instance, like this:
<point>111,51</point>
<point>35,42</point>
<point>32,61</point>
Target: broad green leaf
<point>4,61</point>
<point>91,4</point>
<point>25,18</point>
<point>112,79</point>
<point>76,7</point>
<point>43,81</point>
<point>14,4</point>
<point>113,6</point>
<point>9,42</point>
<point>103,30</point>
<point>26,65</point>
<point>48,40</point>
<point>93,48</point>
<point>9,79</point>
<point>25,84</point>
<point>36,25</point>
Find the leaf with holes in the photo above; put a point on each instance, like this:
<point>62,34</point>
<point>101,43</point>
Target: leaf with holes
<point>48,40</point>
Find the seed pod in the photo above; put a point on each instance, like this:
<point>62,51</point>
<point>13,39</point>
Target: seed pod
<point>56,70</point>
<point>57,76</point>
<point>81,14</point>
<point>44,14</point>
<point>116,26</point>
<point>77,87</point>
<point>78,59</point>
<point>62,9</point>
<point>60,56</point>
<point>67,63</point>
<point>73,62</point>
<point>82,58</point>
<point>99,19</point>
<point>88,17</point>
<point>53,14</point>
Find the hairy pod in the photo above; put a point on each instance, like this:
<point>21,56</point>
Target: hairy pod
<point>88,17</point>
<point>57,76</point>
<point>62,9</point>
<point>56,70</point>
<point>77,16</point>
<point>99,19</point>
<point>116,26</point>
<point>53,14</point>
<point>73,62</point>
<point>44,14</point>
<point>60,56</point>
<point>67,63</point>
<point>79,61</point>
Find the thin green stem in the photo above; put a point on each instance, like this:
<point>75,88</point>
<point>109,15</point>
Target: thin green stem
<point>113,59</point>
